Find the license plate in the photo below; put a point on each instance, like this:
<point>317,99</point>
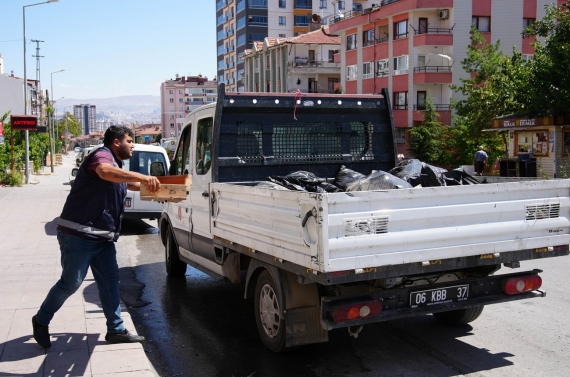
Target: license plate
<point>128,202</point>
<point>437,296</point>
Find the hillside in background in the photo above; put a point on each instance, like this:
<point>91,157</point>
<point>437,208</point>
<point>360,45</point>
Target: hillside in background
<point>127,105</point>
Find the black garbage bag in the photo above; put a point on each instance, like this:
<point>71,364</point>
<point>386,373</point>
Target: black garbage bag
<point>271,186</point>
<point>329,187</point>
<point>345,177</point>
<point>416,172</point>
<point>379,180</point>
<point>300,181</point>
<point>459,177</point>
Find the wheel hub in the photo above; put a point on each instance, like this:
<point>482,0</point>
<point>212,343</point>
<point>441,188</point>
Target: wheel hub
<point>269,311</point>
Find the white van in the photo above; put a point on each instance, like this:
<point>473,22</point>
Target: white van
<point>143,156</point>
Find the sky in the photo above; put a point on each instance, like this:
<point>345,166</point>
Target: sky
<point>109,48</point>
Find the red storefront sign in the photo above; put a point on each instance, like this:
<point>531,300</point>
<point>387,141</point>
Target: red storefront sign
<point>24,122</point>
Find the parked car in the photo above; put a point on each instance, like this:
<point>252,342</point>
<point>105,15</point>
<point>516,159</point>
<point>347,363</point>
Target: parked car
<point>84,153</point>
<point>77,149</point>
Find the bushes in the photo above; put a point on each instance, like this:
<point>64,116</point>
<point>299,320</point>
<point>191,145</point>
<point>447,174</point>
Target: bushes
<point>13,178</point>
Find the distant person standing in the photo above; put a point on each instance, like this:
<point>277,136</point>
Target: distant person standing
<point>480,160</point>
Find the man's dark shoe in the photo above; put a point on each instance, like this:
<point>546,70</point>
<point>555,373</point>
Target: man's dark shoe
<point>123,337</point>
<point>41,333</point>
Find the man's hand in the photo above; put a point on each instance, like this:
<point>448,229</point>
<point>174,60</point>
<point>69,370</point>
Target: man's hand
<point>152,183</point>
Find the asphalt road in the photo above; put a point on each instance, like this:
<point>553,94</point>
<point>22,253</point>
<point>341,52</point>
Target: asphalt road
<point>198,326</point>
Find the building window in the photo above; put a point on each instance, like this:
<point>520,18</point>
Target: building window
<point>171,125</point>
<point>401,29</point>
<point>535,142</point>
<point>301,20</point>
<point>257,4</point>
<point>421,60</point>
<point>527,22</point>
<point>267,61</point>
<point>351,72</point>
<point>180,108</point>
<point>255,37</point>
<point>400,135</point>
<point>382,67</point>
<point>241,40</point>
<point>240,6</point>
<point>341,5</point>
<point>331,82</point>
<point>400,100</point>
<point>421,100</point>
<point>282,4</point>
<point>180,99</point>
<point>368,38</point>
<point>282,35</point>
<point>171,91</point>
<point>351,42</point>
<point>171,108</point>
<point>240,23</point>
<point>323,4</point>
<point>482,24</point>
<point>257,20</point>
<point>171,100</point>
<point>171,116</point>
<point>282,20</point>
<point>368,70</point>
<point>401,65</point>
<point>331,55</point>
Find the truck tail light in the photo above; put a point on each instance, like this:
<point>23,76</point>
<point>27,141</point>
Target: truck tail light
<point>522,284</point>
<point>353,312</point>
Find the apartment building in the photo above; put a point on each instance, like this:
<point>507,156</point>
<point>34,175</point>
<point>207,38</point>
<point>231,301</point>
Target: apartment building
<point>304,63</point>
<point>414,48</point>
<point>179,97</point>
<point>86,115</point>
<point>240,23</point>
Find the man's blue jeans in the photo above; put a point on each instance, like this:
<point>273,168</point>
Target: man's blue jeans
<point>77,255</point>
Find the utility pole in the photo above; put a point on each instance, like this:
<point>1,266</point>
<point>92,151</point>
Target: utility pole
<point>38,56</point>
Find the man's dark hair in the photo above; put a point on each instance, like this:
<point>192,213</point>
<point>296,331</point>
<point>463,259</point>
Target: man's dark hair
<point>116,132</point>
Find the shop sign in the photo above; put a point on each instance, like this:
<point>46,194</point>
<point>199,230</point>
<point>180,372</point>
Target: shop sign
<point>24,122</point>
<point>558,120</point>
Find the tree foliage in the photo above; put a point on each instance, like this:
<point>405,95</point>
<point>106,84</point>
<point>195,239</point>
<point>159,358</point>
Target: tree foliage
<point>429,141</point>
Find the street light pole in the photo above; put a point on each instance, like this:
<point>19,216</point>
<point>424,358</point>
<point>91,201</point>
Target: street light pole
<point>27,135</point>
<point>51,132</point>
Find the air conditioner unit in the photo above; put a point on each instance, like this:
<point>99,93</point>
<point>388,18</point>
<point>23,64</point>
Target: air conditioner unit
<point>375,5</point>
<point>443,14</point>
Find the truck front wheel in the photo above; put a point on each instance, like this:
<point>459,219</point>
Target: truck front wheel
<point>459,317</point>
<point>174,266</point>
<point>270,322</point>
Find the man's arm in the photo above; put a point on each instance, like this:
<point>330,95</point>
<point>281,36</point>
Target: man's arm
<point>133,179</point>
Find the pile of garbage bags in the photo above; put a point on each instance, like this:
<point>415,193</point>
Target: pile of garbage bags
<point>407,174</point>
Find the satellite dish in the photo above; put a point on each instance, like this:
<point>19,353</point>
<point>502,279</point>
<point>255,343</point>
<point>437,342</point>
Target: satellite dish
<point>316,18</point>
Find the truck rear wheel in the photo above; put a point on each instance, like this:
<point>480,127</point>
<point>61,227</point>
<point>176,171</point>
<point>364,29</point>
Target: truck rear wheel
<point>459,317</point>
<point>270,323</point>
<point>174,266</point>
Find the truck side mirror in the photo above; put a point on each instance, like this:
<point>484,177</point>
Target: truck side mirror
<point>74,172</point>
<point>157,169</point>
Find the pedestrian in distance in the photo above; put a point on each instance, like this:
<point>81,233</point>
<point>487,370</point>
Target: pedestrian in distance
<point>480,160</point>
<point>87,230</point>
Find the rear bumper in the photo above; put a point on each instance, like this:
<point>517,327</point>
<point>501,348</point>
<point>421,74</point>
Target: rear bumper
<point>396,302</point>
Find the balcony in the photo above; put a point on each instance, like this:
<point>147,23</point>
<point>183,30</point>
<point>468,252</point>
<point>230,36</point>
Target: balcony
<point>444,111</point>
<point>432,75</point>
<point>433,37</point>
<point>303,4</point>
<point>437,107</point>
<point>306,63</point>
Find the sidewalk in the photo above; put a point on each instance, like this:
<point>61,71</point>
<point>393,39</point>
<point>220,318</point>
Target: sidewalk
<point>29,266</point>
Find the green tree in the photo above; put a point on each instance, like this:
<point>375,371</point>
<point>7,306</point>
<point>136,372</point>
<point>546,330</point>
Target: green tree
<point>493,89</point>
<point>549,79</point>
<point>429,141</point>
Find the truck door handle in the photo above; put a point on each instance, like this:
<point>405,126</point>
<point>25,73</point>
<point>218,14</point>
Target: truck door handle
<point>206,194</point>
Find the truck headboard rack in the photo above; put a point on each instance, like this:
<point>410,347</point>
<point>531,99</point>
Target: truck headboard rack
<point>329,131</point>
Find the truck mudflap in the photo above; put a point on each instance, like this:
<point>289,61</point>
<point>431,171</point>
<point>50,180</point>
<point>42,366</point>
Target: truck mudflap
<point>411,301</point>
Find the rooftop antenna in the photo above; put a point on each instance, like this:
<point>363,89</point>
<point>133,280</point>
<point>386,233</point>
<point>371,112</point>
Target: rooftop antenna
<point>38,56</point>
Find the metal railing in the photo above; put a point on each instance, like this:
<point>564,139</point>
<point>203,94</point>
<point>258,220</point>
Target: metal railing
<point>433,69</point>
<point>343,16</point>
<point>382,39</point>
<point>305,63</point>
<point>383,3</point>
<point>439,107</point>
<point>433,30</point>
<point>400,107</point>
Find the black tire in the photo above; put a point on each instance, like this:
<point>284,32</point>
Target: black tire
<point>174,266</point>
<point>270,324</point>
<point>459,317</point>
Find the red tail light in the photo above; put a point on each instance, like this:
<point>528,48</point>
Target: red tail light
<point>522,284</point>
<point>356,311</point>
